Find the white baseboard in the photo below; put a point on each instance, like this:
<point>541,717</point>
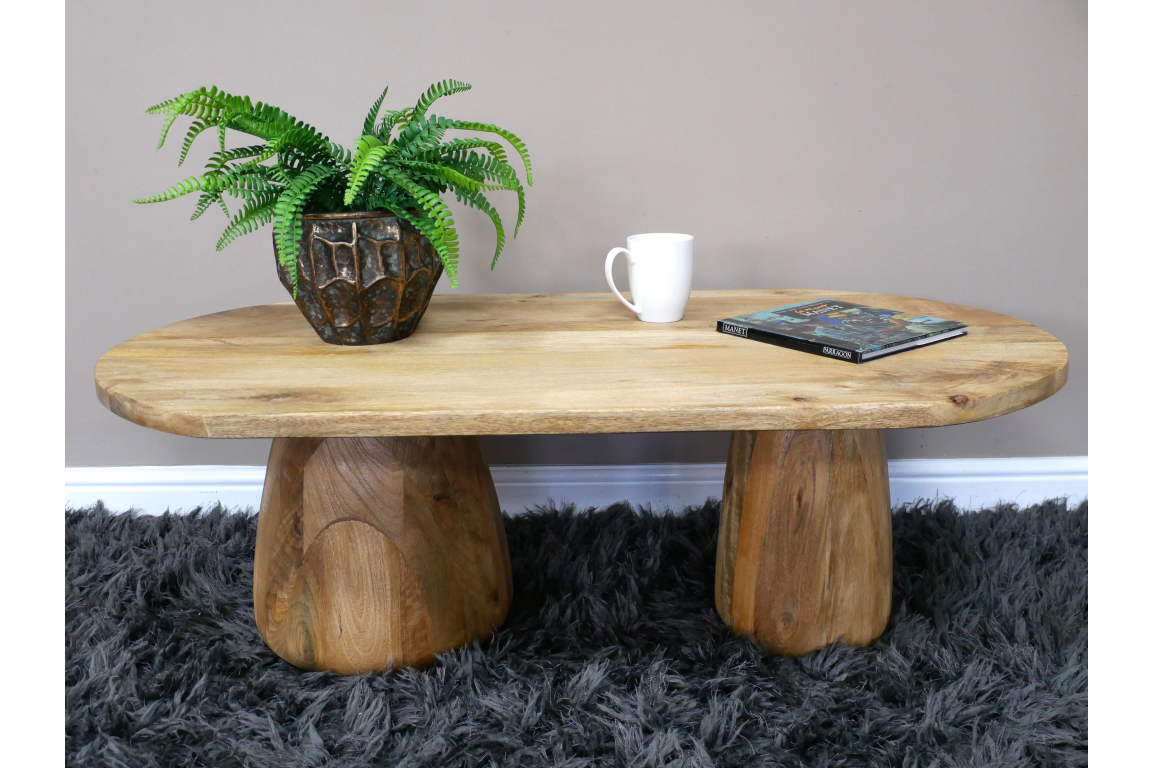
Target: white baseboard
<point>154,490</point>
<point>973,483</point>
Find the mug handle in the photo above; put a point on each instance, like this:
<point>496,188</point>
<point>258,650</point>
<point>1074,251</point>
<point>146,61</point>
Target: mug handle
<point>608,274</point>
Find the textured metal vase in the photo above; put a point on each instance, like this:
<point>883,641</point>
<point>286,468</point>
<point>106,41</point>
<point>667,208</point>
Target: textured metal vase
<point>364,278</point>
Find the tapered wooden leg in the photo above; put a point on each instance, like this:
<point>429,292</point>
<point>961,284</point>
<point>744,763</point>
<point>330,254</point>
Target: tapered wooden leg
<point>805,548</point>
<point>378,551</point>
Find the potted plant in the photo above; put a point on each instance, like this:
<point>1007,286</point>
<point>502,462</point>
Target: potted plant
<point>362,236</point>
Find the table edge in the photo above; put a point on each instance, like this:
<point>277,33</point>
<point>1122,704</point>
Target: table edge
<point>951,408</point>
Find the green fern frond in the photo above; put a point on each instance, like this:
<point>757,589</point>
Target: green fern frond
<point>428,201</point>
<point>289,207</point>
<point>493,170</point>
<point>162,107</point>
<point>252,197</point>
<point>370,120</point>
<point>339,154</point>
<point>428,228</point>
<point>329,195</point>
<point>207,199</point>
<point>203,104</point>
<point>368,156</point>
<point>269,123</point>
<point>363,144</point>
<point>276,173</point>
<point>446,174</point>
<point>209,182</point>
<point>425,140</point>
<point>421,135</point>
<point>441,233</point>
<point>478,201</point>
<point>487,166</point>
<point>508,136</point>
<point>439,90</point>
<point>205,202</point>
<point>223,157</point>
<point>173,108</point>
<point>392,202</point>
<point>267,152</point>
<point>247,185</point>
<point>498,171</point>
<point>391,120</point>
<point>258,212</point>
<point>197,127</point>
<point>457,149</point>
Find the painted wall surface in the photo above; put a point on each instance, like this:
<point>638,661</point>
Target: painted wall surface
<point>929,149</point>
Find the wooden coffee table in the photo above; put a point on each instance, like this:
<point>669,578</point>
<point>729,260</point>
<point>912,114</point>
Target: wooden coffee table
<point>380,539</point>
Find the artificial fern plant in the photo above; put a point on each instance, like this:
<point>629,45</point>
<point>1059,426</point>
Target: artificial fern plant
<point>400,163</point>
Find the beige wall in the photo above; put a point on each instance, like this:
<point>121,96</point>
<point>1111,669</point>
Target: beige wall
<point>933,149</point>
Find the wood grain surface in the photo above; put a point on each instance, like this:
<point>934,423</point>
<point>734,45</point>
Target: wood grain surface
<point>564,363</point>
<point>378,551</point>
<point>805,549</point>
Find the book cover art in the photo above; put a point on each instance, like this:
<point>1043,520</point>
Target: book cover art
<point>849,326</point>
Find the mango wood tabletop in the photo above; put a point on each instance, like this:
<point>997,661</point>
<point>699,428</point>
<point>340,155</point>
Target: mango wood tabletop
<point>380,539</point>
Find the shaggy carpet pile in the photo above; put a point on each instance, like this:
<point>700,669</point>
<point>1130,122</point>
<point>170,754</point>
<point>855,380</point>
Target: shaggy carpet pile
<point>612,655</point>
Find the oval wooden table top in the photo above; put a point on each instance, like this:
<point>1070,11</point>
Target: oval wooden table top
<point>564,363</point>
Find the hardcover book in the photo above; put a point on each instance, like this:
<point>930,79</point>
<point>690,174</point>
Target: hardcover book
<point>841,329</point>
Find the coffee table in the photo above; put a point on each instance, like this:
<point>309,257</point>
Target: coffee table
<point>380,539</point>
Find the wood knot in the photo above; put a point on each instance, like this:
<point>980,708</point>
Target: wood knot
<point>800,399</point>
<point>439,497</point>
<point>959,400</point>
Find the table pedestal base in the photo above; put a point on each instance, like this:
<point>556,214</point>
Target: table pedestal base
<point>805,547</point>
<point>378,551</point>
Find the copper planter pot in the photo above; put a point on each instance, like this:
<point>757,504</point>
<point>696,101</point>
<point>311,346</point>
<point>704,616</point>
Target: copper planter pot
<point>364,278</point>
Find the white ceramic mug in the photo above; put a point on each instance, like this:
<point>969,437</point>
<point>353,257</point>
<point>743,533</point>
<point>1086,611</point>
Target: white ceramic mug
<point>659,275</point>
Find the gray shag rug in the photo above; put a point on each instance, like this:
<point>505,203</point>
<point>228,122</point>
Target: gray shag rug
<point>613,654</point>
